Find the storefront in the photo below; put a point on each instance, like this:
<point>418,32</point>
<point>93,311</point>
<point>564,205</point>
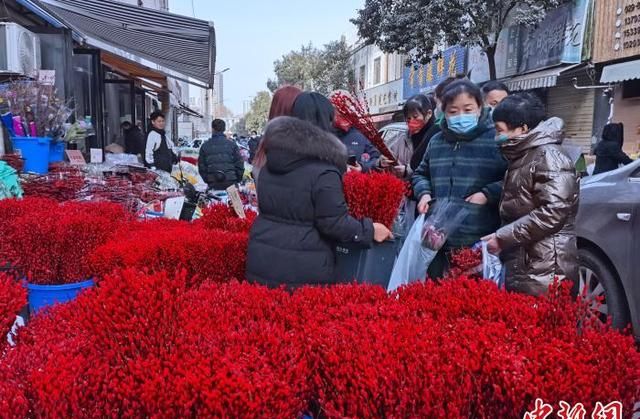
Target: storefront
<point>538,59</point>
<point>617,54</point>
<point>121,66</point>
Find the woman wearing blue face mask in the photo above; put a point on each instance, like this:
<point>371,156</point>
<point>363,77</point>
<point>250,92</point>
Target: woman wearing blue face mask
<point>462,163</point>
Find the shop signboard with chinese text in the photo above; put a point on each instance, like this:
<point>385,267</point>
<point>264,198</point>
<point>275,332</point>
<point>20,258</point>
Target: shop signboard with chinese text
<point>384,98</point>
<point>423,78</point>
<point>617,33</point>
<point>558,39</point>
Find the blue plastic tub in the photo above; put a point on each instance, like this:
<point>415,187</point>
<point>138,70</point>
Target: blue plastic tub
<point>41,296</point>
<point>35,152</point>
<point>56,151</point>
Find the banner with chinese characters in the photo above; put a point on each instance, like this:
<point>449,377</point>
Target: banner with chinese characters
<point>423,78</point>
<point>558,39</point>
<point>384,98</point>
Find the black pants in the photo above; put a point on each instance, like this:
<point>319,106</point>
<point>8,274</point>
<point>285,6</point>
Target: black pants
<point>439,266</point>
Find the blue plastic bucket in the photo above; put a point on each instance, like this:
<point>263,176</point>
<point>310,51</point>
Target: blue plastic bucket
<point>41,296</point>
<point>56,151</point>
<point>35,152</point>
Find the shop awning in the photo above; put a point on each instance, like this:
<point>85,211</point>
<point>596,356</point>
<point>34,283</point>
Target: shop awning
<point>178,43</point>
<point>538,79</point>
<point>617,73</point>
<point>184,109</point>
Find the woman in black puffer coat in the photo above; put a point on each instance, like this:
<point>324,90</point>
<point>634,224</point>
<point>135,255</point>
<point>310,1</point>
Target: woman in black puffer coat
<point>609,154</point>
<point>303,213</point>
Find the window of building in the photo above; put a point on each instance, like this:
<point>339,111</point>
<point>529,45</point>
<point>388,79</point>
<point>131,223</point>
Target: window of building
<point>377,70</point>
<point>362,78</point>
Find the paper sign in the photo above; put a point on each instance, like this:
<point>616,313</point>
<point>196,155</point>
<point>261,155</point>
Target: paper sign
<point>96,155</point>
<point>236,202</point>
<point>47,77</point>
<point>173,208</point>
<point>76,158</point>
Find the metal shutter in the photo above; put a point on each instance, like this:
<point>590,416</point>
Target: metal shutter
<point>576,108</point>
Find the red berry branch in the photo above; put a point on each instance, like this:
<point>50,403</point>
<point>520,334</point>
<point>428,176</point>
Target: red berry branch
<point>353,110</point>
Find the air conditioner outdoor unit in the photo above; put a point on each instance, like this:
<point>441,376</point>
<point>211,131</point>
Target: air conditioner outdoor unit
<point>19,50</point>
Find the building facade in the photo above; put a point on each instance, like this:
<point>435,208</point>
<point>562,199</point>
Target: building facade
<point>378,78</point>
<point>617,57</point>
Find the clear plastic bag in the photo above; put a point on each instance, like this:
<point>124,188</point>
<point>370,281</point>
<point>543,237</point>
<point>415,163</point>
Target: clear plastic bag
<point>426,237</point>
<point>445,218</point>
<point>413,260</point>
<point>492,269</point>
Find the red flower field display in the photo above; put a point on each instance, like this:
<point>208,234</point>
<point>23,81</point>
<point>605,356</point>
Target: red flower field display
<point>374,195</point>
<point>222,217</point>
<point>50,243</point>
<point>142,346</point>
<point>206,255</point>
<point>148,345</point>
<point>13,297</point>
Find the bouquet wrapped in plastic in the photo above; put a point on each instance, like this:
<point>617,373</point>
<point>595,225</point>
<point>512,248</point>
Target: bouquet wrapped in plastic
<point>427,236</point>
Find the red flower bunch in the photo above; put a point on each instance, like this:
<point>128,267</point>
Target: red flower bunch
<point>358,114</point>
<point>50,243</point>
<point>142,346</point>
<point>374,195</point>
<point>13,297</point>
<point>206,255</point>
<point>223,217</point>
<point>465,261</point>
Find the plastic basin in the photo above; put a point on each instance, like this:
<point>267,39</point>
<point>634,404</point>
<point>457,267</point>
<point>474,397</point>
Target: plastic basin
<point>56,151</point>
<point>35,152</point>
<point>41,296</point>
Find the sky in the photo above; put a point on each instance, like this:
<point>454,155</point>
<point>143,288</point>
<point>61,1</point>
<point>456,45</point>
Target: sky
<point>252,34</point>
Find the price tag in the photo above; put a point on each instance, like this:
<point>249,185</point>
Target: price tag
<point>96,155</point>
<point>236,201</point>
<point>76,158</point>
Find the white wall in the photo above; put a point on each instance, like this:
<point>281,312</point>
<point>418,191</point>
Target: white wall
<point>391,65</point>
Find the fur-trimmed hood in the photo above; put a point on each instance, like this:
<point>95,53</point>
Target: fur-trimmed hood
<point>290,142</point>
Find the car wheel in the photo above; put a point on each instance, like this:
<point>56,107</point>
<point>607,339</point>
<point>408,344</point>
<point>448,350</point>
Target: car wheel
<point>599,283</point>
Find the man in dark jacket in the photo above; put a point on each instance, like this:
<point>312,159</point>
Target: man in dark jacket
<point>220,163</point>
<point>357,144</point>
<point>133,139</point>
<point>609,154</point>
<point>254,142</point>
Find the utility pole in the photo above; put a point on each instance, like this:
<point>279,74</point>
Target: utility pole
<point>208,112</point>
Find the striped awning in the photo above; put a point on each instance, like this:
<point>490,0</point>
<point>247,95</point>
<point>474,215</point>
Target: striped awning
<point>182,44</point>
<point>617,73</point>
<point>538,79</point>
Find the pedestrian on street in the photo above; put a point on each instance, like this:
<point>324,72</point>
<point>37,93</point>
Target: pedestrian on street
<point>609,154</point>
<point>462,163</point>
<point>537,241</point>
<point>159,150</point>
<point>281,105</point>
<point>363,156</point>
<point>133,139</point>
<point>220,164</point>
<point>254,142</point>
<point>493,93</point>
<point>303,214</point>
